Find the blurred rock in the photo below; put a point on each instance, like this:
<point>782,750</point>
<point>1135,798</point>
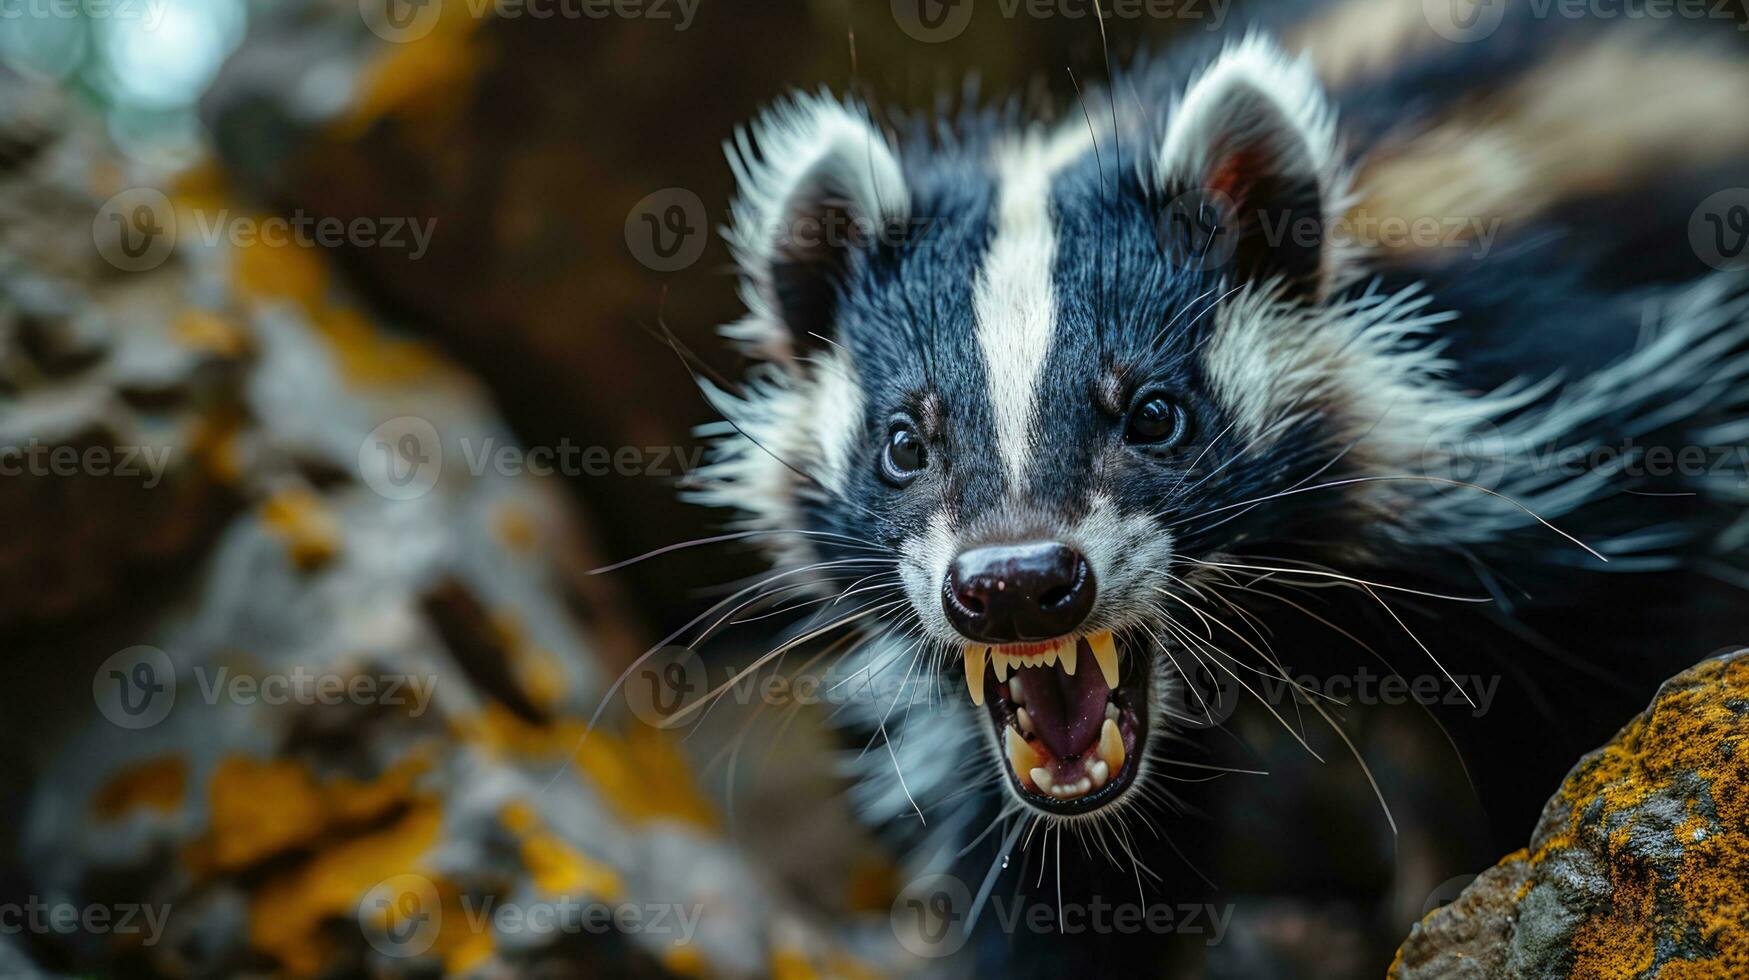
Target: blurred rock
<point>113,389</point>
<point>315,696</point>
<point>14,965</point>
<point>1639,866</point>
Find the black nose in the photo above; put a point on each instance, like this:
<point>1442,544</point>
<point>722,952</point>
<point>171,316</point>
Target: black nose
<point>1018,592</point>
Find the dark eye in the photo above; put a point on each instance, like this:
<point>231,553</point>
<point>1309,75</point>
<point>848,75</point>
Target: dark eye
<point>904,456</point>
<point>1158,421</point>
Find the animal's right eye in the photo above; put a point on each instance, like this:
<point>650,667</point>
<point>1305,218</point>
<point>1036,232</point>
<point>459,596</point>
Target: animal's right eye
<point>904,456</point>
<point>1157,421</point>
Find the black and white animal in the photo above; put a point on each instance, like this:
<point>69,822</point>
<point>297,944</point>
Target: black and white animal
<point>1064,404</point>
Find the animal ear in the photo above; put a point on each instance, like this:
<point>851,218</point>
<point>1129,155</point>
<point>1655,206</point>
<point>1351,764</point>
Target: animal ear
<point>818,184</point>
<point>1251,170</point>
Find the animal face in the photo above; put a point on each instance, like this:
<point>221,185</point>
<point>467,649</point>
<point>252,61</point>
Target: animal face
<point>1051,375</point>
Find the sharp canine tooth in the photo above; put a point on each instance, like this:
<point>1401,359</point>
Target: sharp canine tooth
<point>1041,778</point>
<point>1067,651</point>
<point>1105,653</point>
<point>1021,756</point>
<point>975,659</point>
<point>1111,711</point>
<point>1024,720</point>
<point>1111,746</point>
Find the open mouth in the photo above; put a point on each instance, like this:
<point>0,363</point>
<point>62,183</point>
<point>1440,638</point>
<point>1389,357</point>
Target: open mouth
<point>1068,724</point>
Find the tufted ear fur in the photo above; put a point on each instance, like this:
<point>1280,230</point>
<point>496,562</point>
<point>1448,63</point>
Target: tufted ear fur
<point>817,184</point>
<point>1251,168</point>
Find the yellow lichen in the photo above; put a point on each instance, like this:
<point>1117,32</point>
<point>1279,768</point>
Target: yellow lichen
<point>289,911</point>
<point>539,674</point>
<point>425,77</point>
<point>264,272</point>
<point>260,808</point>
<point>366,355</point>
<point>556,867</point>
<point>1693,733</point>
<point>872,886</point>
<point>217,444</point>
<point>643,776</point>
<point>1697,734</point>
<point>154,784</point>
<point>515,527</point>
<point>311,533</point>
<point>792,964</point>
<point>684,960</point>
<point>205,330</point>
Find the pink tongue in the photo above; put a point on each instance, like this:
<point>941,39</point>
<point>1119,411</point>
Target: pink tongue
<point>1066,711</point>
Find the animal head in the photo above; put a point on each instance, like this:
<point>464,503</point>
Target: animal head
<point>1020,385</point>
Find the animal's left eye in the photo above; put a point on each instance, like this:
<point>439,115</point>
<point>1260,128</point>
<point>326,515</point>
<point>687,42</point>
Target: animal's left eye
<point>1157,421</point>
<point>904,455</point>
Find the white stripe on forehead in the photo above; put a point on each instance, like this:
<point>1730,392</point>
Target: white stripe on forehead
<point>1015,300</point>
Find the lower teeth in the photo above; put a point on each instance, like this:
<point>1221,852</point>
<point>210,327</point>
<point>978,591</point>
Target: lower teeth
<point>1098,764</point>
